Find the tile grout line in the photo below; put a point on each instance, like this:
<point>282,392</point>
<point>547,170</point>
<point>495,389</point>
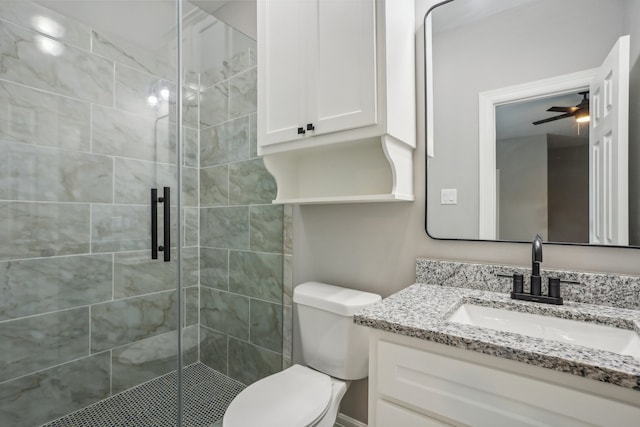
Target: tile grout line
<point>249,323</point>
<point>91,128</point>
<point>138,205</point>
<point>57,365</point>
<point>114,84</point>
<point>199,169</point>
<point>113,276</point>
<point>82,254</point>
<point>228,336</point>
<point>113,180</point>
<point>90,332</point>
<point>90,230</point>
<point>228,121</point>
<point>111,372</point>
<point>165,291</point>
<point>90,51</point>
<point>246,296</point>
<point>91,151</point>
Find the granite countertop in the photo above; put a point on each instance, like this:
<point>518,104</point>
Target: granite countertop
<point>421,311</point>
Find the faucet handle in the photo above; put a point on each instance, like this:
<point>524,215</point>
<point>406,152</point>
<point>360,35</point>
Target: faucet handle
<point>518,283</point>
<point>554,287</point>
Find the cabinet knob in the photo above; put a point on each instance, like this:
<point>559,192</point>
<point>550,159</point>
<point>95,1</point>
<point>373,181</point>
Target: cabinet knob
<point>310,126</point>
<point>301,131</point>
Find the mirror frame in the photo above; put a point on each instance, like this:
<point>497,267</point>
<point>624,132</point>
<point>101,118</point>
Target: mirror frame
<point>426,160</point>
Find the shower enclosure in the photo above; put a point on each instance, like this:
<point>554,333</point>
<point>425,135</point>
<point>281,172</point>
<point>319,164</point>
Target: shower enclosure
<point>141,259</point>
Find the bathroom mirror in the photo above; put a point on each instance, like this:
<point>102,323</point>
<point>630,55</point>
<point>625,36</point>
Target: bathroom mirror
<point>530,126</point>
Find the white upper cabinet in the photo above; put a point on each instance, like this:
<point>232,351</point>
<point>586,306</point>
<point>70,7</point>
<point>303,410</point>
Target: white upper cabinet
<point>281,76</point>
<point>333,72</point>
<point>318,68</point>
<point>344,66</point>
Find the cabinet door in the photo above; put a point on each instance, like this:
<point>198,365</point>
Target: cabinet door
<point>280,69</point>
<point>343,65</point>
<point>470,394</point>
<point>388,414</point>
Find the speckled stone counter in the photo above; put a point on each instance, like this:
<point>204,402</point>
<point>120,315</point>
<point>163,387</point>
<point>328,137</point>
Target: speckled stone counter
<point>422,310</point>
<point>615,290</point>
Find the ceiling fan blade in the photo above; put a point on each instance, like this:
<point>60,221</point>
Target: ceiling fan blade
<point>563,109</point>
<point>552,119</point>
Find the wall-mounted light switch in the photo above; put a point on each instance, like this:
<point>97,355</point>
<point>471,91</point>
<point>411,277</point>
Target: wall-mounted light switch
<point>448,196</point>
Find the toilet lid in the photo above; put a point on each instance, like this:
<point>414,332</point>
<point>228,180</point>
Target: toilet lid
<point>295,397</point>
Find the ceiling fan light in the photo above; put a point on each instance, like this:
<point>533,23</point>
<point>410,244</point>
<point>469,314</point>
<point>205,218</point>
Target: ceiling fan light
<point>582,115</point>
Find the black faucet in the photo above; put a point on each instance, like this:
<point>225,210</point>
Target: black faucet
<point>535,292</point>
<point>536,259</point>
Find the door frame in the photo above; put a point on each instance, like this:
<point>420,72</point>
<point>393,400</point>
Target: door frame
<point>487,103</point>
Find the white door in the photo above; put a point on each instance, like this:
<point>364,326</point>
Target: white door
<point>281,71</point>
<point>343,65</point>
<point>608,149</point>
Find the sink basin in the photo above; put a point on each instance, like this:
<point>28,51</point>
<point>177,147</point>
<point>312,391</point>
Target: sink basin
<point>608,338</point>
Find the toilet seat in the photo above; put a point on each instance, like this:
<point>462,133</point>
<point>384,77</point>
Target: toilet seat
<point>295,397</point>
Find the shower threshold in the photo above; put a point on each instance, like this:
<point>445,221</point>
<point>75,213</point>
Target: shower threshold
<point>207,394</point>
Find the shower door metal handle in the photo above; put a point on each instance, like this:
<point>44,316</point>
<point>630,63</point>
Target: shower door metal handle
<point>154,223</point>
<point>166,201</point>
<point>167,224</point>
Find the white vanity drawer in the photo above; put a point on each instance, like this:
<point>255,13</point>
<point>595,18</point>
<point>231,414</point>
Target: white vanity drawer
<point>388,414</point>
<point>477,395</point>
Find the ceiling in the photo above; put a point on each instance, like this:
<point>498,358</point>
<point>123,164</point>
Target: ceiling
<point>147,23</point>
<point>210,5</point>
<point>143,22</point>
<point>462,12</point>
<point>515,119</point>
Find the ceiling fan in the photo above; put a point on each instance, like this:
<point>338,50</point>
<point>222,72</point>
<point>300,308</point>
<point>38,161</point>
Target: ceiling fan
<point>580,111</point>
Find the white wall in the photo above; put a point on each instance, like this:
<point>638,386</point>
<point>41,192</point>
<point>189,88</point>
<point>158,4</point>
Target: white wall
<point>568,188</point>
<point>490,54</point>
<point>523,206</point>
<point>373,247</point>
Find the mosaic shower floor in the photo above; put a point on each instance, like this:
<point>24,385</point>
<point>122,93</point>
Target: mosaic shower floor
<point>207,394</point>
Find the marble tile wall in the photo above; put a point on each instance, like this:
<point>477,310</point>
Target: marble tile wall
<point>84,312</point>
<point>243,308</point>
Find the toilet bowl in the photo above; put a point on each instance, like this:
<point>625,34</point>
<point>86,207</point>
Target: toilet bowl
<point>296,397</point>
<point>335,351</point>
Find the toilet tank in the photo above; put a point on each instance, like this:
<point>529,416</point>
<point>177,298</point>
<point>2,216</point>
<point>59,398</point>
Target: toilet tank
<point>331,342</point>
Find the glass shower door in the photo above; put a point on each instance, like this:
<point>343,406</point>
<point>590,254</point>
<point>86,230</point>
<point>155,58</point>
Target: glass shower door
<point>89,320</point>
<point>236,311</point>
<point>87,129</point>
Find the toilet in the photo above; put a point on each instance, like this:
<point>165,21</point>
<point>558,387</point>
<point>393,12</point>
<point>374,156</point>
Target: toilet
<point>335,351</point>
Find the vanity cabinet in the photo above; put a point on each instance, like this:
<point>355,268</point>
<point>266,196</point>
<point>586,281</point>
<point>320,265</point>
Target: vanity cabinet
<point>428,384</point>
<point>336,99</point>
